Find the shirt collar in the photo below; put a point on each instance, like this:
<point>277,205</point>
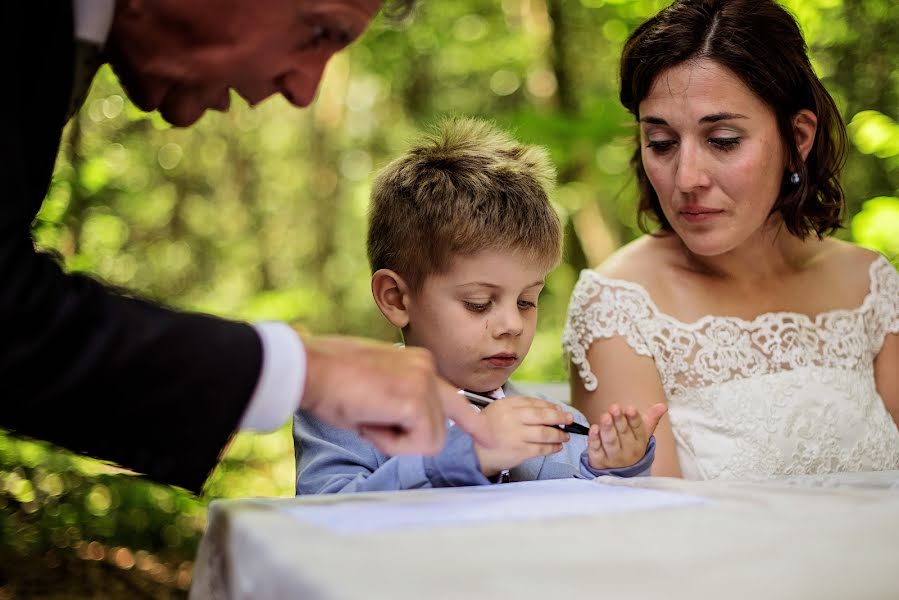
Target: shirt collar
<point>93,18</point>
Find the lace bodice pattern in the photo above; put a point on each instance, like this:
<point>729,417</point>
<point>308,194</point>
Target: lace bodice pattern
<point>782,394</point>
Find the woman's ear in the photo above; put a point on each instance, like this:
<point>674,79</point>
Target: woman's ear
<point>392,296</point>
<point>805,127</point>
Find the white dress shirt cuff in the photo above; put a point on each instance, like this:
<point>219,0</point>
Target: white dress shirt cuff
<point>92,20</point>
<point>280,386</point>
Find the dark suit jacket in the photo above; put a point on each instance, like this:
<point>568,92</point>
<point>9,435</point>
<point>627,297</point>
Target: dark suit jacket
<point>114,377</point>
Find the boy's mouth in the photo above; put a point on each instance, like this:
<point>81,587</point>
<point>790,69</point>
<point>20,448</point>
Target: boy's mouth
<point>502,360</point>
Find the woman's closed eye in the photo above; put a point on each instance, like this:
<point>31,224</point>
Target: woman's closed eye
<point>725,143</point>
<point>660,146</point>
<point>719,143</point>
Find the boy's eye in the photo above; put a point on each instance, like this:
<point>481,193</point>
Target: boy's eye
<point>475,306</point>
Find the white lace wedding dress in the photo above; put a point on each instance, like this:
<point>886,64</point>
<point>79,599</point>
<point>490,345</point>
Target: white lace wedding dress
<point>781,394</point>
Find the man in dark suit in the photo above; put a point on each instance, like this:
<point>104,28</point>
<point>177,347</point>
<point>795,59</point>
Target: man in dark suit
<point>126,380</point>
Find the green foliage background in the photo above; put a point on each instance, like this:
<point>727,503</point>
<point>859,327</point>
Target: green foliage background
<point>260,214</point>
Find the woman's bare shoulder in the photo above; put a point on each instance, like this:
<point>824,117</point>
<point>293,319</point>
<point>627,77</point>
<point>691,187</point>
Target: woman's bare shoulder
<point>643,261</point>
<point>841,273</point>
<point>846,262</point>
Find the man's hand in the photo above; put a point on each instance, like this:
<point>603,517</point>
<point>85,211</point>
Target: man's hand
<point>393,397</point>
<point>523,428</point>
<point>621,436</point>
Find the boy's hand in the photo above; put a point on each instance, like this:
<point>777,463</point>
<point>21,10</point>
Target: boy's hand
<point>621,436</point>
<point>522,428</point>
<point>392,397</point>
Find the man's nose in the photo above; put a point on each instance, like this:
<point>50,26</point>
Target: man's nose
<point>299,85</point>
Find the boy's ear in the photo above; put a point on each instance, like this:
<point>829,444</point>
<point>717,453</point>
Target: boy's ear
<point>391,295</point>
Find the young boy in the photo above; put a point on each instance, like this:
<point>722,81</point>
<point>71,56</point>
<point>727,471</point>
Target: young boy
<point>461,237</point>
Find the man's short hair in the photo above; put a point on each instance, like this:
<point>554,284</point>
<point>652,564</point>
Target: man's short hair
<point>463,188</point>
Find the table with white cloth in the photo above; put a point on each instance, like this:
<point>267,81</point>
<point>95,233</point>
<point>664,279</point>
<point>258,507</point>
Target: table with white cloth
<point>824,536</point>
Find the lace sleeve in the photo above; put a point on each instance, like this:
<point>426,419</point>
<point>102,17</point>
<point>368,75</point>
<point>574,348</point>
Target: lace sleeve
<point>603,308</point>
<point>885,288</point>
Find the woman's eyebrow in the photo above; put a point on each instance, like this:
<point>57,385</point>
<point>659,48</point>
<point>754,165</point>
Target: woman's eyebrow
<point>722,116</point>
<point>713,118</point>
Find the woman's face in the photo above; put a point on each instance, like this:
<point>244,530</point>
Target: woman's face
<point>713,154</point>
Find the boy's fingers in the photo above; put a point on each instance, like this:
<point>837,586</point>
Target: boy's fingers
<point>546,449</point>
<point>619,420</point>
<point>528,401</point>
<point>653,415</point>
<point>544,415</point>
<point>637,427</point>
<point>541,434</point>
<point>593,441</point>
<point>634,419</point>
<point>609,435</point>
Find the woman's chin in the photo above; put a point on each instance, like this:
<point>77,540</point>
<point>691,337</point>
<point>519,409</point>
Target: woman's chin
<point>707,246</point>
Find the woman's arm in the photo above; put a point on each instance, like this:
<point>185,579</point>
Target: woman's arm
<point>628,379</point>
<point>886,374</point>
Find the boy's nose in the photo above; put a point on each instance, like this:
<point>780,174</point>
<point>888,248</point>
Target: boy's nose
<point>508,322</point>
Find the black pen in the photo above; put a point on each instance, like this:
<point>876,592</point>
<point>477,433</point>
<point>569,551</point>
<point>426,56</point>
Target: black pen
<point>483,401</point>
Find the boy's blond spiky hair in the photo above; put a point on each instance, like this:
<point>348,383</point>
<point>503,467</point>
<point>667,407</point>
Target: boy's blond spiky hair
<point>464,188</point>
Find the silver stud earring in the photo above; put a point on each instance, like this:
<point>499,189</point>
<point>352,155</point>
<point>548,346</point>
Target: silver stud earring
<point>795,178</point>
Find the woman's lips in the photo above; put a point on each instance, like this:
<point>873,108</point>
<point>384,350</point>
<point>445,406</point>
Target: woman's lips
<point>700,214</point>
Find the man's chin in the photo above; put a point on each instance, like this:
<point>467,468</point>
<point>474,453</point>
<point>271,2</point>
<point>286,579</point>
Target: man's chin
<point>181,115</point>
<point>181,119</point>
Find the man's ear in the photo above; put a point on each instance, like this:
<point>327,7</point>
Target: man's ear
<point>392,296</point>
<point>805,127</point>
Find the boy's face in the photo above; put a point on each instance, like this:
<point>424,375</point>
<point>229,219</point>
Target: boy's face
<point>478,318</point>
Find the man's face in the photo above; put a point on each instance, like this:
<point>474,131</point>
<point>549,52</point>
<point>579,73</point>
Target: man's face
<point>478,318</point>
<point>182,56</point>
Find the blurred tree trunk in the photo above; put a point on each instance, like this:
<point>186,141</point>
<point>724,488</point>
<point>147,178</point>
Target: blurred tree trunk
<point>867,57</point>
<point>589,238</point>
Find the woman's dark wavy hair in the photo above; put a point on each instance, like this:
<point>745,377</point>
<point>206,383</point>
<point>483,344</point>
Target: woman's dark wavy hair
<point>760,42</point>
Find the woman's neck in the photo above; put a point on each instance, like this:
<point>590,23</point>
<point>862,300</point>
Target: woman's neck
<point>768,255</point>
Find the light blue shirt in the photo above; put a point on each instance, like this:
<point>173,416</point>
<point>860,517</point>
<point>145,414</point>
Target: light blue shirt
<point>331,461</point>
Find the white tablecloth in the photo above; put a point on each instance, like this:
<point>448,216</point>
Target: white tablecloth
<point>832,536</point>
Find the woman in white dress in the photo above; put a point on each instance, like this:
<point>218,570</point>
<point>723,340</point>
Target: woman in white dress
<point>775,347</point>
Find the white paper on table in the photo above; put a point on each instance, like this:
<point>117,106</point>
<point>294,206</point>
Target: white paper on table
<point>526,500</point>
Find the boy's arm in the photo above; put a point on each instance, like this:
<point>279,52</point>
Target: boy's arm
<point>573,460</point>
<point>331,461</point>
<point>640,469</point>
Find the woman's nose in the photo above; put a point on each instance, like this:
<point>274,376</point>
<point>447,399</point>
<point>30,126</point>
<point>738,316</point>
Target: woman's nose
<point>691,172</point>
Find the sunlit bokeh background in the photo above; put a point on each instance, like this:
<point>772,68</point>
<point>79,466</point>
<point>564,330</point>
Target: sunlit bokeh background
<point>260,214</point>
